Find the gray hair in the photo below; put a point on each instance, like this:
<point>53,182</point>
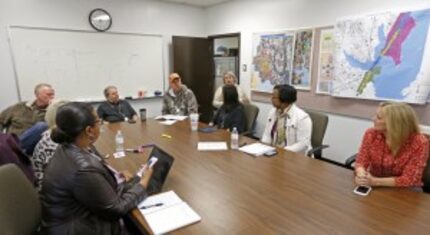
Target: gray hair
<point>51,112</point>
<point>39,86</point>
<point>106,90</point>
<point>230,74</point>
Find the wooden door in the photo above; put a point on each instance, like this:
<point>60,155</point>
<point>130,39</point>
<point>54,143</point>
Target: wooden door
<point>192,60</point>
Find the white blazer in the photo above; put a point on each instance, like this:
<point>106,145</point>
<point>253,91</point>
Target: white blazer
<point>298,129</point>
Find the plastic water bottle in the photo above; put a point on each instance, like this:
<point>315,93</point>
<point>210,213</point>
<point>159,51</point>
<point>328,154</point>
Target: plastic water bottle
<point>119,142</point>
<point>234,139</point>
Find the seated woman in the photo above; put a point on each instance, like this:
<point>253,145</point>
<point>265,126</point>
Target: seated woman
<point>393,153</point>
<point>81,194</point>
<point>287,125</point>
<point>229,79</point>
<point>231,114</point>
<point>45,148</point>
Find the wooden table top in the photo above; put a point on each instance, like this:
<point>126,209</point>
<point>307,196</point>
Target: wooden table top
<point>290,193</point>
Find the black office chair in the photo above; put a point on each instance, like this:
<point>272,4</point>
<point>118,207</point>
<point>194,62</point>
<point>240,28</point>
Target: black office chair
<point>426,177</point>
<point>319,127</point>
<point>251,114</point>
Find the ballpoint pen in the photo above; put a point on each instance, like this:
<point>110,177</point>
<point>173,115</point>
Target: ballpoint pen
<point>132,150</point>
<point>146,145</point>
<point>140,148</point>
<point>150,206</point>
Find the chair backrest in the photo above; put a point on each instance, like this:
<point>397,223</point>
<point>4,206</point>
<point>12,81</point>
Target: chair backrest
<point>251,113</point>
<point>319,126</point>
<point>426,174</point>
<point>20,209</point>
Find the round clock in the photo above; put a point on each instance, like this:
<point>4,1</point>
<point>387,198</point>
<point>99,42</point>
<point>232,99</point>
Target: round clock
<point>100,19</point>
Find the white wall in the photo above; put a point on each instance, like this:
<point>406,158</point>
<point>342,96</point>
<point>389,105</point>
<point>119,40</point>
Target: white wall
<point>135,16</point>
<point>247,17</point>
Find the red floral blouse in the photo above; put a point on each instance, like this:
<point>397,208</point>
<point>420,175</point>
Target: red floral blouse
<point>407,167</point>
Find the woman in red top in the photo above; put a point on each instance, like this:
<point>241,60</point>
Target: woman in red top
<point>393,153</point>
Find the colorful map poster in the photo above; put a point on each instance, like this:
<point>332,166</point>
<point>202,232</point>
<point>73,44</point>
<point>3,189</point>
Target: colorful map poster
<point>302,61</point>
<point>383,57</point>
<point>272,60</point>
<point>325,62</point>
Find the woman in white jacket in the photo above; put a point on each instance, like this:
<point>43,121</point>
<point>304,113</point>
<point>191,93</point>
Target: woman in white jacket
<point>287,126</point>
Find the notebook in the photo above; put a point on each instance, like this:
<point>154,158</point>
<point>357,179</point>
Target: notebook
<point>161,170</point>
<point>256,149</point>
<point>166,212</point>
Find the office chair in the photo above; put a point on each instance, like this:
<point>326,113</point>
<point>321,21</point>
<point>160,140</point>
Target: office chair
<point>251,114</point>
<point>319,126</point>
<point>20,209</point>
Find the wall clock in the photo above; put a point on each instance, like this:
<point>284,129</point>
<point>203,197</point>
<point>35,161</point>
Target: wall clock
<point>100,19</point>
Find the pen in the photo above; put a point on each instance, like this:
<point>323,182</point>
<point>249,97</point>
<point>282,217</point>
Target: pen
<point>150,206</point>
<point>132,150</point>
<point>146,145</point>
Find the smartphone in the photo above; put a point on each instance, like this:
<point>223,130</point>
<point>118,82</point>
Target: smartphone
<point>152,161</point>
<point>362,190</point>
<point>271,153</point>
<point>209,129</point>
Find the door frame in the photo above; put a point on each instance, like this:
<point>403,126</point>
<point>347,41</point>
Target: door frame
<point>228,35</point>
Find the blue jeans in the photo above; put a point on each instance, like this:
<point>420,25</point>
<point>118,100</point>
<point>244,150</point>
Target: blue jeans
<point>31,137</point>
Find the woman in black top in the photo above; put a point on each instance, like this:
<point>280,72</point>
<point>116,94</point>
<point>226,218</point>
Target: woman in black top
<point>81,193</point>
<point>231,114</point>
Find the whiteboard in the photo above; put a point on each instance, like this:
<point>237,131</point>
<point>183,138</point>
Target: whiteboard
<point>80,64</point>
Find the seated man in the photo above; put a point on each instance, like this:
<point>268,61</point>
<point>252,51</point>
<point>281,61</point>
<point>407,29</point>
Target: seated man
<point>114,109</point>
<point>287,125</point>
<point>179,100</point>
<point>23,115</point>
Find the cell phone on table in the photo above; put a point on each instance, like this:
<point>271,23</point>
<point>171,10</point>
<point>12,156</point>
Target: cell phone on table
<point>362,190</point>
<point>208,129</point>
<point>270,153</point>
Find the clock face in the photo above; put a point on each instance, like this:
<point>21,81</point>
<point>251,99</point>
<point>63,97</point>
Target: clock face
<point>100,19</point>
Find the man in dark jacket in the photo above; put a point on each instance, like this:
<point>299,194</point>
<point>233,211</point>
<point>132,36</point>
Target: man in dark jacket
<point>23,115</point>
<point>114,109</point>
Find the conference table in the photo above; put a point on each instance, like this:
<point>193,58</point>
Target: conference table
<point>236,193</point>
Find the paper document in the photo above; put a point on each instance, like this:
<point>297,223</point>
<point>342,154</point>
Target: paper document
<point>256,149</point>
<point>211,146</point>
<point>171,117</point>
<point>166,212</point>
<point>168,122</point>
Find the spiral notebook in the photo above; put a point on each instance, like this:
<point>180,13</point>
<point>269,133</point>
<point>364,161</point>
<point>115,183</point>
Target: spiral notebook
<point>166,212</point>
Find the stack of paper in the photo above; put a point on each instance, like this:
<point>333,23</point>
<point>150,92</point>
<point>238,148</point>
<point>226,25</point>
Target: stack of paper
<point>256,149</point>
<point>210,146</point>
<point>168,122</point>
<point>171,117</point>
<point>166,212</point>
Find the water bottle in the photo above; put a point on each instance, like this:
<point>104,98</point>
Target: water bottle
<point>119,142</point>
<point>234,139</point>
